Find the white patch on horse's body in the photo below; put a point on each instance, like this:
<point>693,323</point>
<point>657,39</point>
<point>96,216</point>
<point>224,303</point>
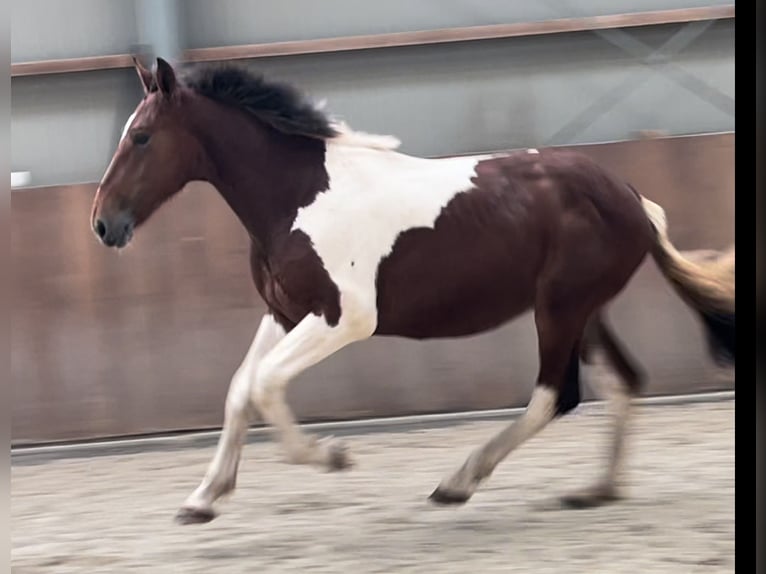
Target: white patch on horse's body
<point>374,196</point>
<point>532,150</point>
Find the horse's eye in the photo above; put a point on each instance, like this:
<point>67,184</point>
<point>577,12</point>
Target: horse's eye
<point>141,138</point>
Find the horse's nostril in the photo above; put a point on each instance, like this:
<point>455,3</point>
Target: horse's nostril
<point>100,228</point>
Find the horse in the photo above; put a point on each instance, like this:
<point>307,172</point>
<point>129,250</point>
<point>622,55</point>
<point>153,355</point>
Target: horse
<point>350,239</point>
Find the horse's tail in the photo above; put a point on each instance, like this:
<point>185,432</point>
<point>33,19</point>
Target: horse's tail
<point>704,280</point>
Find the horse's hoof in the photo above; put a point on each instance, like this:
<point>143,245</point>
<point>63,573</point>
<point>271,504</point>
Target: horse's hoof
<point>591,498</point>
<point>336,455</point>
<point>448,497</point>
<point>188,515</point>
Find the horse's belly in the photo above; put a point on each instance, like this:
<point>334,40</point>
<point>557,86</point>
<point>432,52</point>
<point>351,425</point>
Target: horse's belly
<point>441,283</point>
<point>433,321</point>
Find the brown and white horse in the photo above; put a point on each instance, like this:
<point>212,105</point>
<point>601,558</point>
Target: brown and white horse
<point>352,239</point>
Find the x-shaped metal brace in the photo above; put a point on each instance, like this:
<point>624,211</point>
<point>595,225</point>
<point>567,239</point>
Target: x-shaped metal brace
<point>655,60</point>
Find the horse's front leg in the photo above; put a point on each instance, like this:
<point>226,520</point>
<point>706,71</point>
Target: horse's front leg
<point>222,473</point>
<point>311,341</point>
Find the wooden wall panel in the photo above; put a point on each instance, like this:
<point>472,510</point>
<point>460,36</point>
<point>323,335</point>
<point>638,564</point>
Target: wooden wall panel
<point>146,340</point>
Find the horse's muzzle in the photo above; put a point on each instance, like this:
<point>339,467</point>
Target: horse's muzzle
<point>116,231</point>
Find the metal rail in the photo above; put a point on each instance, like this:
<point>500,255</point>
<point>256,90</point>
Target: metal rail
<point>390,40</point>
<point>204,439</point>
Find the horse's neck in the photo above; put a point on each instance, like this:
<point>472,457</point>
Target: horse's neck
<point>263,175</point>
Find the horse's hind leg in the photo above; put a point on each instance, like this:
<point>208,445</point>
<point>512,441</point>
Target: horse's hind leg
<point>600,335</point>
<point>556,393</point>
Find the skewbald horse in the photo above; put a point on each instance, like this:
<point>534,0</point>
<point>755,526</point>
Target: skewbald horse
<point>351,239</point>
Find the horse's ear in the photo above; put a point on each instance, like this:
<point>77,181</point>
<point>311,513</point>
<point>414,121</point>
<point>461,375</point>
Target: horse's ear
<point>165,77</point>
<point>144,75</point>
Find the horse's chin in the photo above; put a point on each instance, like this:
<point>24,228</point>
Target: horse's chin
<point>120,243</point>
<point>124,244</point>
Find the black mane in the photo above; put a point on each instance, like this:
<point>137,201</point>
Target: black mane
<point>279,105</point>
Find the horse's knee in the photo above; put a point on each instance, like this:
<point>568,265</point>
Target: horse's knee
<point>238,400</point>
<point>269,383</point>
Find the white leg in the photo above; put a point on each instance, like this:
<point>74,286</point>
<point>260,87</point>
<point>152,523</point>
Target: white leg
<point>311,341</point>
<point>606,490</point>
<point>461,485</point>
<point>221,475</point>
<point>620,404</point>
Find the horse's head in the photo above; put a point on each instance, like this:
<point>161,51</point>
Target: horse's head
<point>157,155</point>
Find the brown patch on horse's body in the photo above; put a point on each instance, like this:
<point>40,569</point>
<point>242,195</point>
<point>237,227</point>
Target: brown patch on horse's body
<point>552,223</point>
<point>293,282</point>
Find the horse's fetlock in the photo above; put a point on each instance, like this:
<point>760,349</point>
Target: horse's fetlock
<point>480,467</point>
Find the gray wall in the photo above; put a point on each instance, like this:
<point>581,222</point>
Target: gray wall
<point>440,100</point>
<point>48,29</point>
<point>227,22</point>
<point>148,341</point>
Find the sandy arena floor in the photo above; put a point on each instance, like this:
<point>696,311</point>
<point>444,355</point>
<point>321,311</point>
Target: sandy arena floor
<point>114,513</point>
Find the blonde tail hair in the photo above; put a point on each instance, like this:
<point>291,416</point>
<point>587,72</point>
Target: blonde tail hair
<point>705,282</point>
